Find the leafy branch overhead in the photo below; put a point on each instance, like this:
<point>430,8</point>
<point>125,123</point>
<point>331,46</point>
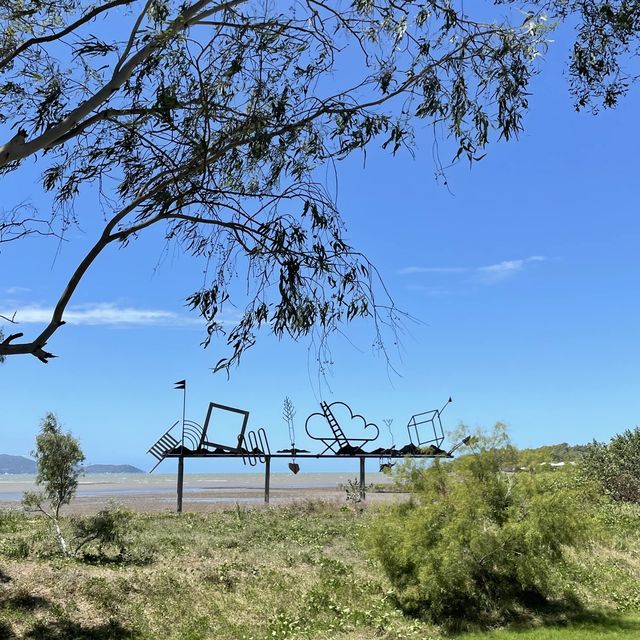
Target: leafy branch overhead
<point>212,120</point>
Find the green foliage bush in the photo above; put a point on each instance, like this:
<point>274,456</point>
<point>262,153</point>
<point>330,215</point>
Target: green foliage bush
<point>615,466</point>
<point>476,543</point>
<point>109,530</point>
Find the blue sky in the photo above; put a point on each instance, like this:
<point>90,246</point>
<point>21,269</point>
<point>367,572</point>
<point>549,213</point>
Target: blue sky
<point>523,273</point>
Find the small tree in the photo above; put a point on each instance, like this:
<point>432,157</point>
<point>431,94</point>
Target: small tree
<point>59,457</point>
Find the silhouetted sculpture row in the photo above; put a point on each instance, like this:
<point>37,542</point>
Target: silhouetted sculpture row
<point>426,436</point>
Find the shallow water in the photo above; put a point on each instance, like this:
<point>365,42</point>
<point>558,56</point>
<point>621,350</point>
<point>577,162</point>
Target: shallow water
<point>220,485</point>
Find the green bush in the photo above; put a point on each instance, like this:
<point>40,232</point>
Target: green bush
<point>107,530</point>
<point>476,543</point>
<point>10,520</point>
<point>615,466</point>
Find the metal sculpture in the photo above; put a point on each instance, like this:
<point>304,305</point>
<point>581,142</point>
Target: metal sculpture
<point>252,446</point>
<point>255,447</point>
<point>164,445</point>
<point>420,422</point>
<point>385,464</point>
<point>195,440</point>
<point>288,414</point>
<point>338,442</point>
<point>216,446</point>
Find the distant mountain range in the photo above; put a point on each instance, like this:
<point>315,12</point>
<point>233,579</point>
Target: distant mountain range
<point>112,468</point>
<point>16,464</point>
<point>20,464</point>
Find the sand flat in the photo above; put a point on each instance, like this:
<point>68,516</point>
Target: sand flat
<point>202,492</point>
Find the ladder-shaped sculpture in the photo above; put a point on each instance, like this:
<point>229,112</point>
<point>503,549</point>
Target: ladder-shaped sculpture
<point>340,439</point>
<point>168,443</point>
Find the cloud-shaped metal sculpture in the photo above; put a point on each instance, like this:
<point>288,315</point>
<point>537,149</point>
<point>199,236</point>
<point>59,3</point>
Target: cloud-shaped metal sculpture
<point>331,433</point>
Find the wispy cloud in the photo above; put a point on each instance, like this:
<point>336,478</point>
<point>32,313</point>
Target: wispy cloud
<point>103,313</point>
<point>502,270</point>
<point>12,291</point>
<point>411,270</point>
<point>488,274</point>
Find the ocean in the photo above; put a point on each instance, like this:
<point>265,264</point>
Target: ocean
<point>212,487</point>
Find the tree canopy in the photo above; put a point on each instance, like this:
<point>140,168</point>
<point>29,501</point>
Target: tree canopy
<point>212,120</point>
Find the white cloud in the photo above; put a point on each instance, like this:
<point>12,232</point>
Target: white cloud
<point>503,270</point>
<point>411,270</point>
<point>12,291</point>
<point>103,313</point>
<point>488,274</point>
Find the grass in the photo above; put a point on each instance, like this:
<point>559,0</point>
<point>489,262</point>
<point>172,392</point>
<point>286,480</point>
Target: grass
<point>299,571</point>
<point>586,627</point>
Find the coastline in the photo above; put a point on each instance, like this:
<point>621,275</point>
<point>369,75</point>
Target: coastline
<point>202,491</point>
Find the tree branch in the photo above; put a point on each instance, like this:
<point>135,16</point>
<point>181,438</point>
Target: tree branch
<point>105,114</point>
<point>87,17</point>
<point>18,149</point>
<point>132,35</point>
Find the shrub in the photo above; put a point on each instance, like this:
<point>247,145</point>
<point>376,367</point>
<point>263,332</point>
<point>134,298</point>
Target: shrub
<point>615,466</point>
<point>355,493</point>
<point>109,529</point>
<point>475,543</point>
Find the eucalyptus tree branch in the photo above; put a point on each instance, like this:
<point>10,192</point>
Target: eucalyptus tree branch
<point>18,148</point>
<point>176,215</point>
<point>87,17</point>
<point>217,135</point>
<point>13,227</point>
<point>108,236</point>
<point>36,346</point>
<point>132,36</point>
<point>105,114</point>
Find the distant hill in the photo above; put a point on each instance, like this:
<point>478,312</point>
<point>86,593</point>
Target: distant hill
<point>16,464</point>
<point>20,464</point>
<point>112,468</point>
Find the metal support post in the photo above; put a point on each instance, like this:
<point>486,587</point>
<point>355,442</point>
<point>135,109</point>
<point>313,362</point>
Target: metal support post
<point>363,493</point>
<point>180,483</point>
<point>267,477</point>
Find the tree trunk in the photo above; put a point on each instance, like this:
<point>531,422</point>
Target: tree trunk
<point>60,539</point>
